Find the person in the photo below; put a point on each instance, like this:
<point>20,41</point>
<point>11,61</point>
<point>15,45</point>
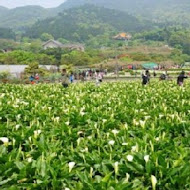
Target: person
<point>65,78</point>
<point>163,76</point>
<point>154,74</point>
<point>180,78</point>
<point>145,78</point>
<point>71,77</point>
<point>37,77</point>
<point>98,77</point>
<point>31,78</point>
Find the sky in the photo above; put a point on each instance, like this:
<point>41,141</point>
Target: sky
<point>19,3</point>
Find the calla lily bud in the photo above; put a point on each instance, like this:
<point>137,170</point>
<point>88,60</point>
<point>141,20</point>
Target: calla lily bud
<point>154,182</point>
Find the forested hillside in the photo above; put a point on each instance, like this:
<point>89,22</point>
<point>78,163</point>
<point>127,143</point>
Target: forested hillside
<point>3,10</point>
<point>21,17</point>
<point>166,11</point>
<point>81,23</point>
<point>7,33</point>
<point>173,12</point>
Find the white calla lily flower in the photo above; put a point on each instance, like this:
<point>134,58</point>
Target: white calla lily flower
<point>146,158</point>
<point>71,166</point>
<point>134,148</point>
<point>115,132</point>
<point>5,140</point>
<point>17,127</point>
<point>29,160</point>
<point>142,123</point>
<point>130,158</point>
<point>67,123</point>
<point>37,133</point>
<point>112,142</point>
<point>157,138</point>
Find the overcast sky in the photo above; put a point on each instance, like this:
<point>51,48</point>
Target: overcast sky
<point>18,3</point>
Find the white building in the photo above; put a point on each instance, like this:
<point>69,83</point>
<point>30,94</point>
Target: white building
<point>16,70</point>
<point>56,44</point>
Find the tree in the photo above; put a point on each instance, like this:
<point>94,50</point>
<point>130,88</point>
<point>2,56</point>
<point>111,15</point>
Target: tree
<point>7,33</point>
<point>46,37</point>
<point>36,46</point>
<point>63,41</point>
<point>6,44</point>
<point>33,68</point>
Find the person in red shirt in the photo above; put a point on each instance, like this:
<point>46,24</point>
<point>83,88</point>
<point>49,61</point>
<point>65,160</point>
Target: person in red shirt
<point>37,77</point>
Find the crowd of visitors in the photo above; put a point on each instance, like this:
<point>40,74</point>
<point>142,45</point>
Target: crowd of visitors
<point>98,75</point>
<point>164,76</point>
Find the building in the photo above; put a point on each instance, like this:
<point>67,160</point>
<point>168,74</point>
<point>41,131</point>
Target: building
<point>52,44</point>
<point>122,36</point>
<point>7,50</point>
<point>16,70</point>
<point>56,44</point>
<point>78,47</point>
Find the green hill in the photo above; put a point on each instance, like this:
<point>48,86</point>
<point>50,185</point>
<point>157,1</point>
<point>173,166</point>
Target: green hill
<point>167,11</point>
<point>81,23</point>
<point>23,16</point>
<point>176,12</point>
<point>3,10</point>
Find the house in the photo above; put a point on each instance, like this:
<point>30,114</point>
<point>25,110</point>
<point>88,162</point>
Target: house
<point>122,36</point>
<point>78,47</point>
<point>52,44</point>
<point>56,44</point>
<point>7,50</point>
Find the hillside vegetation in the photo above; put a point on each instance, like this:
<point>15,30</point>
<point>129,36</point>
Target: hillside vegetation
<point>21,17</point>
<point>82,23</point>
<point>6,33</point>
<point>162,11</point>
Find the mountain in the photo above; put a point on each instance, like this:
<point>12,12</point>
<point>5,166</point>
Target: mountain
<point>3,9</point>
<point>168,11</point>
<point>176,12</point>
<point>81,23</point>
<point>23,16</point>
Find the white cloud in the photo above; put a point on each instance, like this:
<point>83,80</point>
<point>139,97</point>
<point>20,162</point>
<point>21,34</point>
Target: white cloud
<point>18,3</point>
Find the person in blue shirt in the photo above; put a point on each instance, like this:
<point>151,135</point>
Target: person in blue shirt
<point>31,78</point>
<point>71,77</point>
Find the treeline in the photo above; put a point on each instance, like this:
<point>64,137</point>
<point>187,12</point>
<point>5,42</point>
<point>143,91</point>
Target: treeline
<point>52,57</point>
<point>175,37</point>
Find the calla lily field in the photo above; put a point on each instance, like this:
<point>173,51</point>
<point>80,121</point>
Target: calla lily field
<point>116,136</point>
